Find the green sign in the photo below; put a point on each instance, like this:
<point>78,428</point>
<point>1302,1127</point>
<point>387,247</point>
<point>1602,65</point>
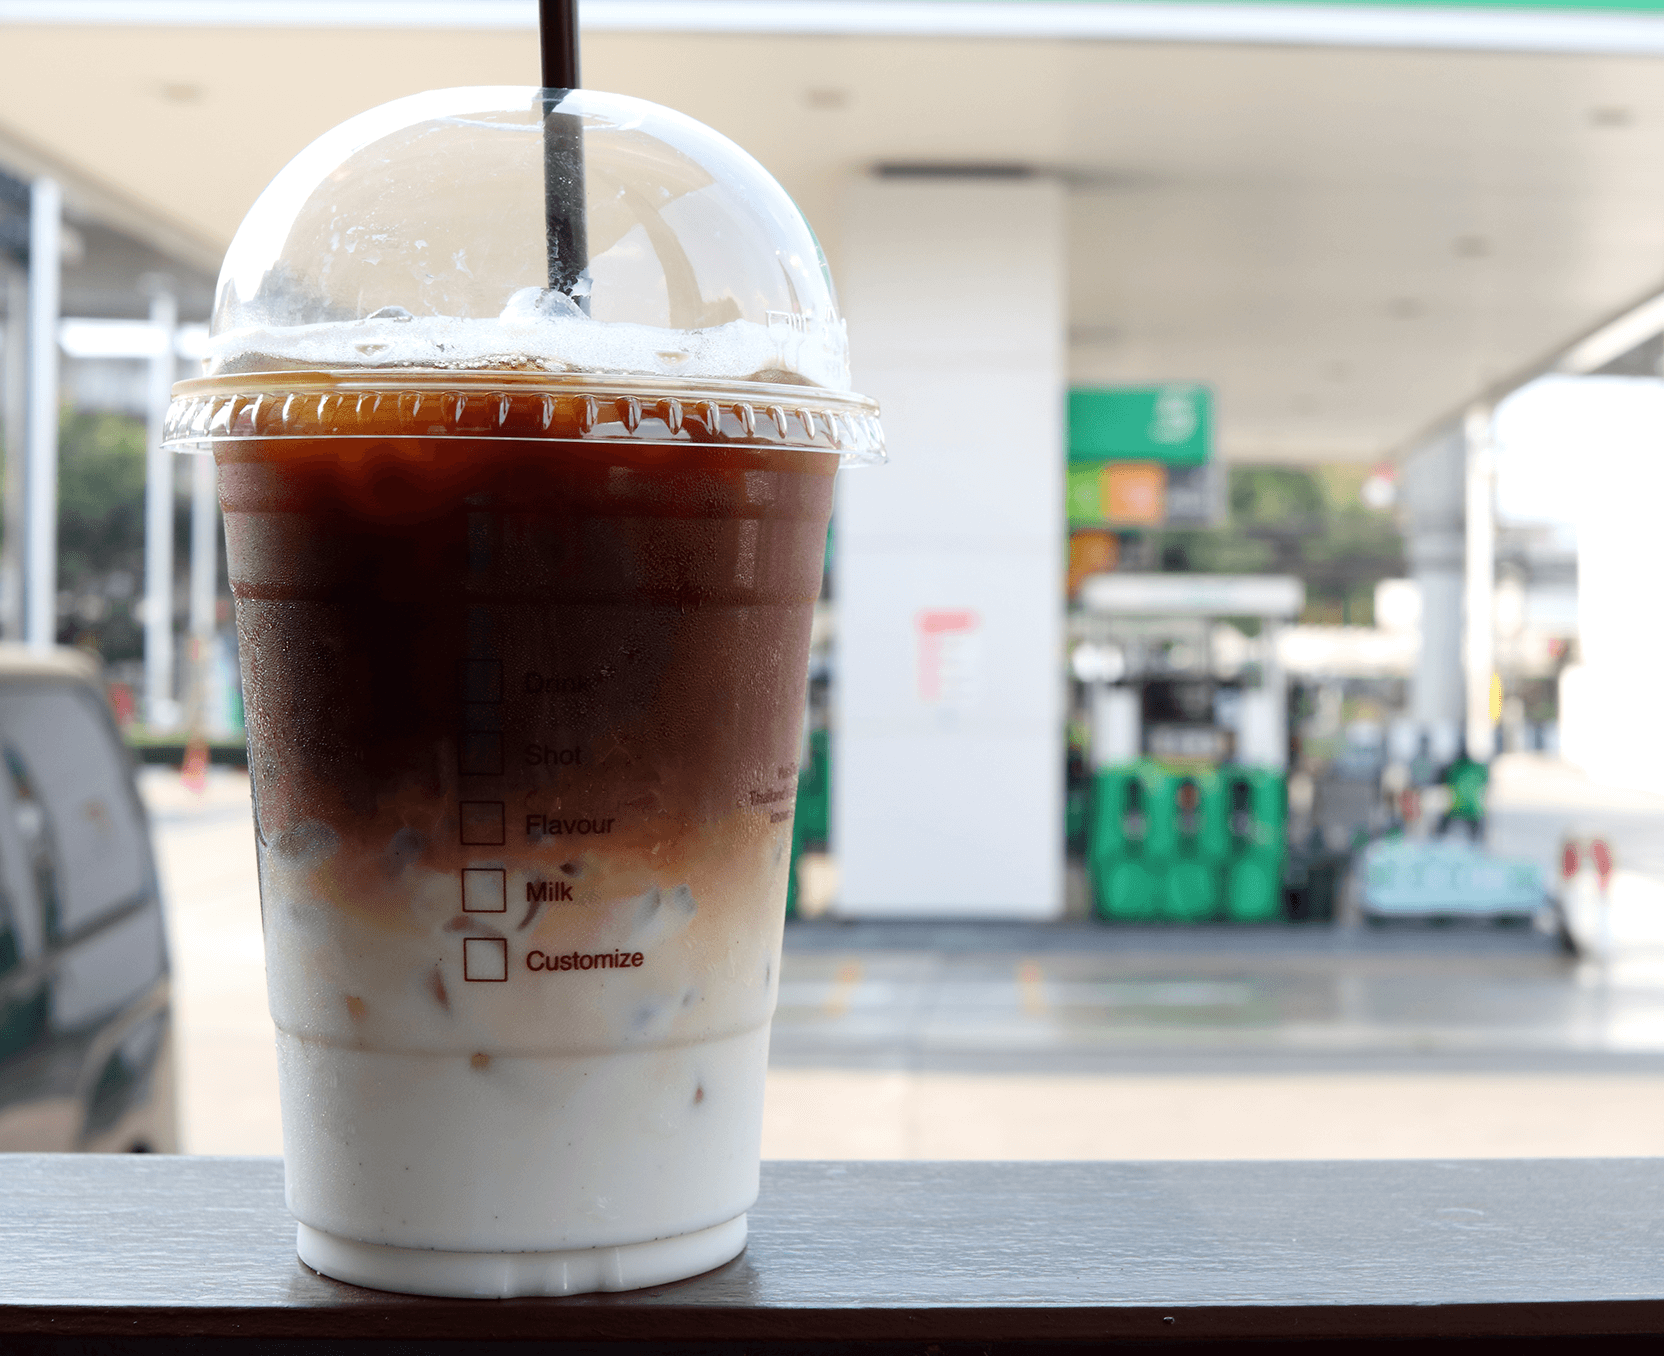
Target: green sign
<point>1578,6</point>
<point>1585,6</point>
<point>1083,501</point>
<point>1169,424</point>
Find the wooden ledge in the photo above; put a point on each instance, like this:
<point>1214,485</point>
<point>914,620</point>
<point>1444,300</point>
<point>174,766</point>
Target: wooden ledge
<point>905,1256</point>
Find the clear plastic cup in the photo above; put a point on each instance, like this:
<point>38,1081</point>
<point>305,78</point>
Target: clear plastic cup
<point>524,584</point>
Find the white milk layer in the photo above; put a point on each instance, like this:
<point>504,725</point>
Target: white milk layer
<point>447,1084</point>
<point>521,1153</point>
<point>544,332</point>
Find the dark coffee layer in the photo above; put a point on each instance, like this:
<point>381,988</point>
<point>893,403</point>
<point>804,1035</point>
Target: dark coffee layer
<point>453,647</point>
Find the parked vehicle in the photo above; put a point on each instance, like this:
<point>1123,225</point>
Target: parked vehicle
<point>86,1052</point>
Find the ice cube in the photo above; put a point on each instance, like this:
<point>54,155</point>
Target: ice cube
<point>661,915</point>
<point>541,303</point>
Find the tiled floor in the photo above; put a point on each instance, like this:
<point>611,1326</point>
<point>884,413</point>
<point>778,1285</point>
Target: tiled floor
<point>223,1036</point>
<point>1295,999</point>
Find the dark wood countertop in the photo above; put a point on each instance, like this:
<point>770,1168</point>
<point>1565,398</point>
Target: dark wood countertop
<point>909,1256</point>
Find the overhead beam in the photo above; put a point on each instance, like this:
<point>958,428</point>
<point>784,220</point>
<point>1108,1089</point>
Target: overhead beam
<point>87,198</point>
<point>1616,337</point>
<point>1608,339</point>
<point>1473,28</point>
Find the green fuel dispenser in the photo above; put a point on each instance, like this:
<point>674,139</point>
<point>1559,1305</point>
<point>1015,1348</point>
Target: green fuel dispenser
<point>1190,891</point>
<point>1254,875</point>
<point>812,813</point>
<point>1213,832</point>
<point>1125,888</point>
<point>1187,846</point>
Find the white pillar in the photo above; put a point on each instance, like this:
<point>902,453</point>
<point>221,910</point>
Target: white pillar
<point>1262,738</point>
<point>40,573</point>
<point>204,545</point>
<point>161,708</point>
<point>1479,572</point>
<point>948,736</point>
<point>204,577</point>
<point>1115,729</point>
<point>1611,430</point>
<point>1434,521</point>
<point>14,388</point>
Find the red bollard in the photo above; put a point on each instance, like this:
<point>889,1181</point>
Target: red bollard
<point>194,770</point>
<point>1570,860</point>
<point>1601,855</point>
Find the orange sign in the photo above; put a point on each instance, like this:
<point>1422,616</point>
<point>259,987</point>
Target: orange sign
<point>1135,492</point>
<point>1091,552</point>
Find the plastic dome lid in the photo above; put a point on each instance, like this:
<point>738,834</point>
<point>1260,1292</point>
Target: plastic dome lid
<point>410,245</point>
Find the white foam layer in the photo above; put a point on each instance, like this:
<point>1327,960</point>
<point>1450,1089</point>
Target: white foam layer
<point>544,331</point>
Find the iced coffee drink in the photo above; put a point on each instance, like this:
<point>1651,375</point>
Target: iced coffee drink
<point>523,599</point>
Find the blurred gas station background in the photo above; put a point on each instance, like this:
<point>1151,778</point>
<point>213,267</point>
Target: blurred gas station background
<point>1233,726</point>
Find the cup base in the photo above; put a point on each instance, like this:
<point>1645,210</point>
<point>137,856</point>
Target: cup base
<point>501,1275</point>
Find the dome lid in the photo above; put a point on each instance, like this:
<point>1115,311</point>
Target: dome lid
<point>414,236</point>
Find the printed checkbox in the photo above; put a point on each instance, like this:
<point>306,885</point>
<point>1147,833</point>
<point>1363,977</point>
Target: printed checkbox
<point>482,680</point>
<point>480,754</point>
<point>484,890</point>
<point>482,823</point>
<point>485,960</point>
<point>482,715</point>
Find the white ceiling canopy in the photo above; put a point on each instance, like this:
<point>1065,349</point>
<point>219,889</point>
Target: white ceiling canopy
<point>1348,232</point>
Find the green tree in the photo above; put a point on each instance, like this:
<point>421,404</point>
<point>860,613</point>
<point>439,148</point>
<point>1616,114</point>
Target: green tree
<point>1310,523</point>
<point>101,472</point>
<point>101,485</point>
<point>101,476</point>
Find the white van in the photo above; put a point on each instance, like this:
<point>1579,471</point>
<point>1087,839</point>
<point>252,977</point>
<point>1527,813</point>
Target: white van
<point>85,1029</point>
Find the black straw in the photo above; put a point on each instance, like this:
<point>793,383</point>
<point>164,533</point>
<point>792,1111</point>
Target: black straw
<point>563,147</point>
<point>557,32</point>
